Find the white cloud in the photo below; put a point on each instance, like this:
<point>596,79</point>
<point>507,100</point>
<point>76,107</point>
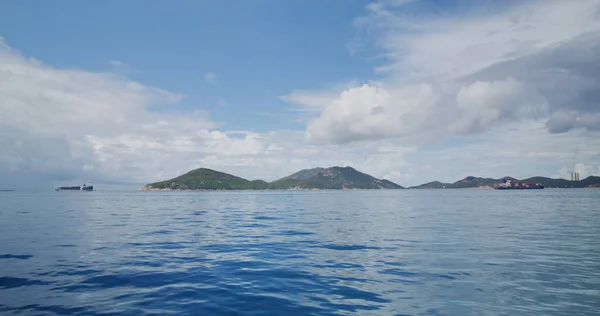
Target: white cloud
<point>74,124</point>
<point>210,77</point>
<point>121,68</point>
<point>65,126</point>
<point>484,103</point>
<point>33,93</point>
<point>534,60</point>
<point>505,92</point>
<point>491,89</point>
<point>565,120</point>
<point>519,149</point>
<point>371,112</point>
<point>116,63</point>
<point>454,45</point>
<point>310,100</point>
<point>222,102</point>
<point>583,170</point>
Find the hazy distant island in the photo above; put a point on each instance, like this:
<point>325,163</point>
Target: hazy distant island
<point>475,182</point>
<point>336,178</point>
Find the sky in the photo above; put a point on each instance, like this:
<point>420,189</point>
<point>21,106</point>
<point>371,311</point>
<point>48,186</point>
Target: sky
<point>123,93</point>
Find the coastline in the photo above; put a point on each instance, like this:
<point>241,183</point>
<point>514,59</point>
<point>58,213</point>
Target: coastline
<point>143,189</point>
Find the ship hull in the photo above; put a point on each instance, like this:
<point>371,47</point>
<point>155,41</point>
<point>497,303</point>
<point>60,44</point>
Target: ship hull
<point>76,188</point>
<point>510,185</point>
<point>519,188</point>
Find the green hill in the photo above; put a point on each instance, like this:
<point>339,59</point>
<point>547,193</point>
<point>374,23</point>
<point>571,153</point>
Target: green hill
<point>591,182</point>
<point>466,183</point>
<point>337,178</point>
<point>475,182</point>
<point>333,178</point>
<point>433,185</point>
<point>317,178</point>
<point>206,179</point>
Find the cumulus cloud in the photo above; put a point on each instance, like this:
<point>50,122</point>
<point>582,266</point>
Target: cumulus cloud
<point>73,124</point>
<point>372,112</point>
<point>484,103</point>
<point>482,68</point>
<point>62,126</point>
<point>43,100</point>
<point>487,93</point>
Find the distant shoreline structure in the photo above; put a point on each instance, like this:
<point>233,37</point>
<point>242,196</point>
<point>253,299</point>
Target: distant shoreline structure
<point>509,185</point>
<point>302,190</point>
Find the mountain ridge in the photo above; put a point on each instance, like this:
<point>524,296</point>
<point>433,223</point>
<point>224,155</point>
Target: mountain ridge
<point>338,178</point>
<point>333,178</point>
<point>471,182</point>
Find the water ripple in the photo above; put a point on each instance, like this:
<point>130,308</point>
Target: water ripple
<point>9,256</point>
<point>10,282</point>
<point>301,253</point>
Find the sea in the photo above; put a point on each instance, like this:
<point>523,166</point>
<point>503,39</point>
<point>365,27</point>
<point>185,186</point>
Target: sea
<point>379,252</point>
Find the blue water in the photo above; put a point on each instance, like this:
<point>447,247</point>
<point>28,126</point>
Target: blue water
<point>455,252</point>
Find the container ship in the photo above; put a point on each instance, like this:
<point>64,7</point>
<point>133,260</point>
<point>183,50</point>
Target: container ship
<point>77,188</point>
<point>509,185</point>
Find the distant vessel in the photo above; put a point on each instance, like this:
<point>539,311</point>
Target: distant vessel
<point>77,188</point>
<point>509,185</point>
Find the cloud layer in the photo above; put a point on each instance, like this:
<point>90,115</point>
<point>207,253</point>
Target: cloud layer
<point>510,91</point>
<point>470,72</point>
<point>68,125</point>
<point>95,126</point>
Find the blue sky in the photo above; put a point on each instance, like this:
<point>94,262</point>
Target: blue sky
<point>257,49</point>
<point>128,92</point>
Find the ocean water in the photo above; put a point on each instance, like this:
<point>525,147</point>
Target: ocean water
<point>432,252</point>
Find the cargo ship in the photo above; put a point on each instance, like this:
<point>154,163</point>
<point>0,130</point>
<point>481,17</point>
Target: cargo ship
<point>77,188</point>
<point>509,185</point>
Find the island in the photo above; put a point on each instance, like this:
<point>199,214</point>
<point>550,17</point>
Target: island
<point>337,178</point>
<point>332,178</point>
<point>472,182</point>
